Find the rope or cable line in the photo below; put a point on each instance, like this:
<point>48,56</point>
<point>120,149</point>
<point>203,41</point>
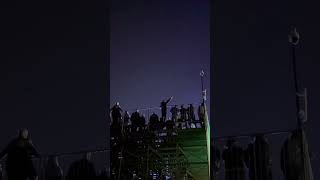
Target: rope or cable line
<point>157,107</point>
<point>266,133</point>
<point>76,152</point>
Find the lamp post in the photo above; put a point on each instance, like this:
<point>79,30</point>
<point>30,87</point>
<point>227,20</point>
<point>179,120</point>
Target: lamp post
<point>294,40</point>
<point>202,89</point>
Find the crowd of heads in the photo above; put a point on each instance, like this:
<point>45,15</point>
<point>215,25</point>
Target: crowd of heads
<point>256,157</point>
<point>181,118</point>
<point>20,154</point>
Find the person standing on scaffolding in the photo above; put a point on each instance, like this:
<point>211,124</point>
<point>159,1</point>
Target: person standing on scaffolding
<point>191,112</point>
<point>202,113</point>
<point>126,119</point>
<point>190,115</point>
<point>163,106</point>
<point>116,114</point>
<point>135,120</point>
<point>174,113</point>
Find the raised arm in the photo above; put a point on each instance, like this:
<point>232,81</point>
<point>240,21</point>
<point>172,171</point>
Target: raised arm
<point>169,100</point>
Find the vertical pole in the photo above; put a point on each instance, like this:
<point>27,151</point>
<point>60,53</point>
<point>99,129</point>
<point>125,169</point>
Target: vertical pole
<point>294,40</point>
<point>296,86</point>
<point>202,89</point>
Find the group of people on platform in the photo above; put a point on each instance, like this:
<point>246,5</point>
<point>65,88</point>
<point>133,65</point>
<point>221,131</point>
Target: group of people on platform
<point>257,158</point>
<point>183,117</point>
<point>19,165</point>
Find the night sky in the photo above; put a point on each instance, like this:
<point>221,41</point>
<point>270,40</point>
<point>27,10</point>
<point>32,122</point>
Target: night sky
<point>158,49</point>
<point>53,74</point>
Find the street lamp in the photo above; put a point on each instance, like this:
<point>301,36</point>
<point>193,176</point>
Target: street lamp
<point>294,40</point>
<point>202,89</point>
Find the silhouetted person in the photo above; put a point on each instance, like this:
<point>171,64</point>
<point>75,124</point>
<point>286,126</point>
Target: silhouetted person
<point>82,169</point>
<point>19,153</point>
<point>153,122</point>
<point>169,126</point>
<point>162,123</point>
<point>135,119</point>
<point>291,159</point>
<point>257,159</point>
<point>142,122</point>
<point>183,113</point>
<point>163,106</point>
<point>104,175</point>
<point>174,113</point>
<point>126,118</point>
<point>201,113</point>
<point>233,157</point>
<point>116,113</point>
<point>191,113</point>
<point>216,159</point>
<point>53,170</point>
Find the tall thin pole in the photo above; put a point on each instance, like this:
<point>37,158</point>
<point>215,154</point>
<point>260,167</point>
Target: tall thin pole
<point>296,86</point>
<point>294,40</point>
<point>202,88</point>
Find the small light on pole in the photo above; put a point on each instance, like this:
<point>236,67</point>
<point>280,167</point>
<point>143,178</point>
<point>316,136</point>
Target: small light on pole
<point>294,37</point>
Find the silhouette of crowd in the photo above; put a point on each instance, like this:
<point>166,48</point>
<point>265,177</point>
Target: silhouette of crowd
<point>20,153</point>
<point>181,118</point>
<point>256,157</point>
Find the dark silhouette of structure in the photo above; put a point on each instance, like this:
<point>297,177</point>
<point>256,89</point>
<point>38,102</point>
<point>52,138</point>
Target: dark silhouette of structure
<point>159,149</point>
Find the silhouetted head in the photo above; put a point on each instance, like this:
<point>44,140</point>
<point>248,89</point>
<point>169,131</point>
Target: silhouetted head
<point>117,104</point>
<point>24,133</point>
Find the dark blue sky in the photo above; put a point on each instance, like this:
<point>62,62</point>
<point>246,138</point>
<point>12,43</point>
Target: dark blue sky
<point>157,50</point>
